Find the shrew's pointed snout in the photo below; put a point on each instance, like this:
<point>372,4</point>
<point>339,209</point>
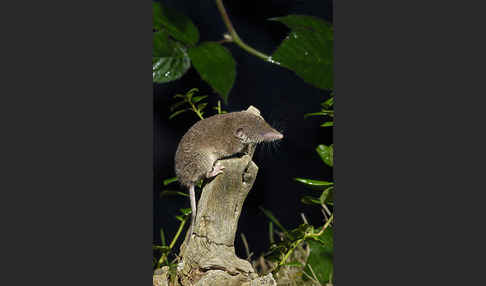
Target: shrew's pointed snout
<point>272,136</point>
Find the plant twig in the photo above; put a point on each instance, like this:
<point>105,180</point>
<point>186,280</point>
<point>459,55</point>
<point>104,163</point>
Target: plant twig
<point>324,214</point>
<point>247,248</point>
<point>181,226</point>
<point>304,218</point>
<point>298,242</point>
<point>313,274</point>
<point>236,39</point>
<point>294,245</point>
<point>326,209</point>
<point>270,232</point>
<point>196,110</point>
<point>328,222</point>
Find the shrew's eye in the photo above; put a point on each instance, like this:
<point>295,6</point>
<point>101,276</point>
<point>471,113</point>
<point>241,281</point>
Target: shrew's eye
<point>239,133</point>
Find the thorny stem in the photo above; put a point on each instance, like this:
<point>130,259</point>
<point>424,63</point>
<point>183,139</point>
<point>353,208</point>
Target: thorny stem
<point>236,39</point>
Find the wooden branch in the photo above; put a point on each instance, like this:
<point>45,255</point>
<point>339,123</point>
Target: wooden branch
<point>208,257</point>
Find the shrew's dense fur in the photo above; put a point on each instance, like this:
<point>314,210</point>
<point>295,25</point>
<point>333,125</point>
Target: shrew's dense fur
<point>217,137</point>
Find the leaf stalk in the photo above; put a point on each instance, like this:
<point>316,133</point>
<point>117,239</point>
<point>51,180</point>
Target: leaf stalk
<point>236,38</point>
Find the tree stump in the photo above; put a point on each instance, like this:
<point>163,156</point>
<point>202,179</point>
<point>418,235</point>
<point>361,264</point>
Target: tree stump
<point>208,256</point>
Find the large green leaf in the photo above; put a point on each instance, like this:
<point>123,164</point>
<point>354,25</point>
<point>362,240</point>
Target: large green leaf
<point>156,16</point>
<point>178,25</point>
<point>162,46</point>
<point>169,59</point>
<point>308,49</point>
<point>215,65</point>
<point>326,153</point>
<point>321,256</point>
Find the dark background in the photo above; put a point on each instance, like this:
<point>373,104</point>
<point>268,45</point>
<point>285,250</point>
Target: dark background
<point>282,97</point>
<point>77,142</point>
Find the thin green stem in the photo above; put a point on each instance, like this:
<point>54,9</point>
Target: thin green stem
<point>270,232</point>
<point>328,222</point>
<point>219,107</point>
<point>196,110</point>
<point>236,39</point>
<point>298,242</point>
<point>181,226</point>
<point>295,244</point>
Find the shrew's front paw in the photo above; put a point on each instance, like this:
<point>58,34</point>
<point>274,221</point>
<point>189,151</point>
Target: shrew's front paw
<point>217,169</point>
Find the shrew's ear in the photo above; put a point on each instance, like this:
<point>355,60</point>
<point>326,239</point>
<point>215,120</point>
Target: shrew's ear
<point>252,109</point>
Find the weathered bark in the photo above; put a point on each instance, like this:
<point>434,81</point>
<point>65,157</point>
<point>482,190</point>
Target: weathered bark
<point>160,277</point>
<point>208,256</point>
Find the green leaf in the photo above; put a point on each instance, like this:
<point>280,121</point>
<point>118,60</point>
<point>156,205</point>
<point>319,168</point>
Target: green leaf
<point>186,211</point>
<point>162,46</point>
<point>314,114</point>
<point>176,105</point>
<point>327,124</point>
<point>321,113</point>
<point>191,92</point>
<point>196,99</point>
<point>156,16</point>
<point>178,112</point>
<point>178,25</point>
<point>162,237</point>
<point>301,231</point>
<point>307,50</point>
<point>270,215</point>
<point>310,200</point>
<point>169,68</point>
<point>328,103</point>
<point>307,22</point>
<point>326,153</point>
<point>293,264</point>
<point>201,106</point>
<point>326,195</point>
<point>169,181</point>
<point>215,65</point>
<point>321,256</point>
<point>314,184</point>
<point>163,249</point>
<point>277,250</point>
